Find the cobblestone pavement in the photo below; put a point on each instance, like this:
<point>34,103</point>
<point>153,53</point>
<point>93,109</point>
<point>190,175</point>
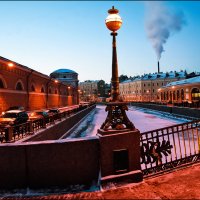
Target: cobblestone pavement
<point>180,184</point>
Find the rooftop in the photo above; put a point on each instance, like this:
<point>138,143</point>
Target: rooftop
<point>161,75</point>
<point>64,71</point>
<point>193,80</point>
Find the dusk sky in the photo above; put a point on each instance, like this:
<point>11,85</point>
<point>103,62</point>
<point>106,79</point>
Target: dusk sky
<point>50,35</point>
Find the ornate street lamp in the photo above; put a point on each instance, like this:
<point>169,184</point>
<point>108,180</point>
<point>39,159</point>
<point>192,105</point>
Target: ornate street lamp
<point>117,119</point>
<point>113,23</point>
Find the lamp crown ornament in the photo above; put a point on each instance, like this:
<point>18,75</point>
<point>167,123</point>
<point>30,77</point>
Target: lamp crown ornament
<point>113,21</point>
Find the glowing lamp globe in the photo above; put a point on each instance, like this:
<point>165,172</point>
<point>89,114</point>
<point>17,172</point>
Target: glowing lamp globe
<point>113,21</point>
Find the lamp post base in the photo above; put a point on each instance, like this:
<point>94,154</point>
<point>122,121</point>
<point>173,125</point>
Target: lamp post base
<point>116,120</point>
<point>120,156</point>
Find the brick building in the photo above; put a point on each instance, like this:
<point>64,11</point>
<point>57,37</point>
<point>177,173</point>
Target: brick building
<point>21,85</point>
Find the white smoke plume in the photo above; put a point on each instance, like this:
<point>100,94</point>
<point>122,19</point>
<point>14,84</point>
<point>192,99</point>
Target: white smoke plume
<point>160,23</point>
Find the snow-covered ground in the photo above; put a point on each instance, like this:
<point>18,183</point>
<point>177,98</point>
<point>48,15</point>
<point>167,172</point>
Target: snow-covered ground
<point>143,119</point>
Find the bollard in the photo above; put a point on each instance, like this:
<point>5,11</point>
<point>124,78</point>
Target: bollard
<point>8,133</point>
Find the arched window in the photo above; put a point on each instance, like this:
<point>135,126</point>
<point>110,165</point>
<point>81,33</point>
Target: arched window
<point>170,96</point>
<point>178,94</point>
<point>195,94</point>
<point>42,90</point>
<point>161,96</point>
<point>19,86</point>
<point>1,83</point>
<point>182,94</point>
<point>32,88</point>
<point>174,95</point>
<point>56,91</point>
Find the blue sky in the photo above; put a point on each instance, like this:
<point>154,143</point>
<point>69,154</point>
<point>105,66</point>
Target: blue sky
<point>50,35</point>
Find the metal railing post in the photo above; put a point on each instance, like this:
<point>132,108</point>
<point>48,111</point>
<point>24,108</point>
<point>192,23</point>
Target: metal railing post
<point>30,124</point>
<point>8,133</point>
<point>43,123</point>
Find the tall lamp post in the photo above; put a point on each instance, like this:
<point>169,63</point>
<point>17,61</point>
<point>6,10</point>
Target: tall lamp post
<point>119,139</point>
<point>117,119</point>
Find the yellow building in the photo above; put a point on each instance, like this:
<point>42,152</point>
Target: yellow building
<point>145,88</point>
<point>88,90</point>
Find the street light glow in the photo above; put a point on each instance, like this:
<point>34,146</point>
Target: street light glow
<point>10,65</point>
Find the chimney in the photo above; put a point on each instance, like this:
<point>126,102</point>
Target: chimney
<point>158,67</point>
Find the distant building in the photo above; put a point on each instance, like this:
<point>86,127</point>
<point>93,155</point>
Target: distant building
<point>145,88</point>
<point>70,78</point>
<point>187,90</point>
<point>88,90</point>
<point>67,76</point>
<point>92,90</point>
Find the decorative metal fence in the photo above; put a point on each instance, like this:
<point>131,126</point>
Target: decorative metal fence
<point>170,147</point>
<point>16,132</point>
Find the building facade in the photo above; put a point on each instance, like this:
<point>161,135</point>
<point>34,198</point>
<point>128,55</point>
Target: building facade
<point>93,90</point>
<point>88,90</point>
<point>23,86</point>
<point>70,78</point>
<point>145,88</point>
<point>184,91</point>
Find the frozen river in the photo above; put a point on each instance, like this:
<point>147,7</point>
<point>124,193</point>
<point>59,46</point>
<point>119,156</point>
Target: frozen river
<point>143,119</point>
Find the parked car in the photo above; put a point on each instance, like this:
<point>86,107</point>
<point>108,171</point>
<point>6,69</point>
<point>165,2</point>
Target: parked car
<point>54,111</point>
<point>38,115</point>
<point>13,117</point>
<point>33,116</point>
<point>14,108</point>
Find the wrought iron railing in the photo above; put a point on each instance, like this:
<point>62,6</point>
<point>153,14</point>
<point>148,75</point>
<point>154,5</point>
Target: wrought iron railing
<point>170,147</point>
<point>13,133</point>
<point>2,135</point>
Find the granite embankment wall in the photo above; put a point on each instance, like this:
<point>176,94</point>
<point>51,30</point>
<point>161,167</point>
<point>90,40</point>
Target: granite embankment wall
<point>184,111</point>
<point>56,163</point>
<point>44,161</point>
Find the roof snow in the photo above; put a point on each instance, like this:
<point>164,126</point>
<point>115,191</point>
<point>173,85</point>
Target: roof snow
<point>185,81</point>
